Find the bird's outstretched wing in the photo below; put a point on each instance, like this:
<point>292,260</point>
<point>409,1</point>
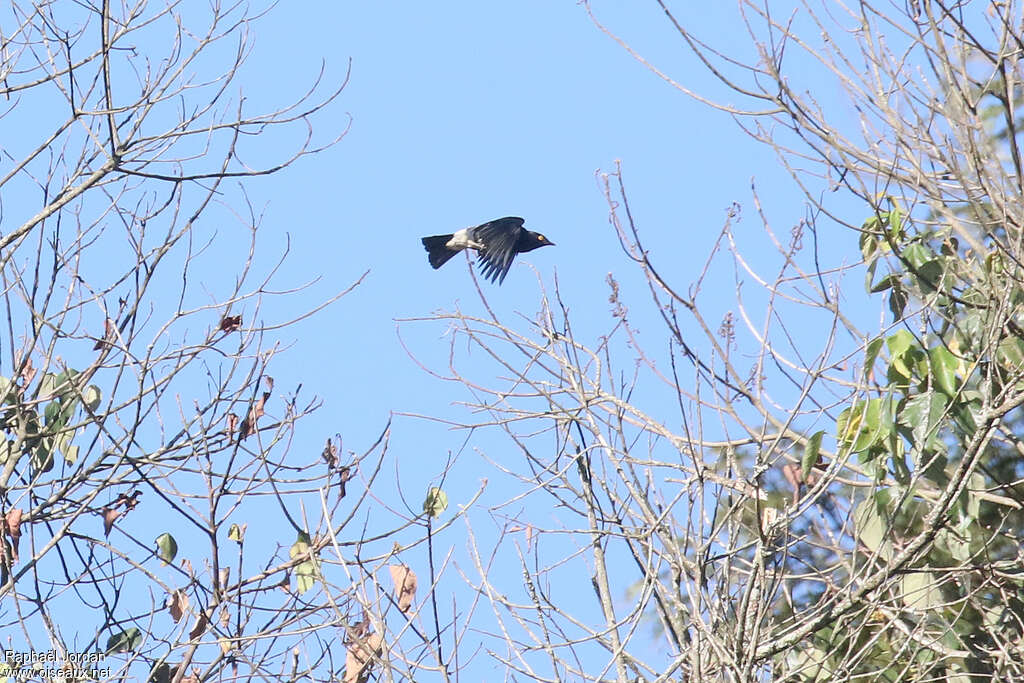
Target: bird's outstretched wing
<point>498,239</point>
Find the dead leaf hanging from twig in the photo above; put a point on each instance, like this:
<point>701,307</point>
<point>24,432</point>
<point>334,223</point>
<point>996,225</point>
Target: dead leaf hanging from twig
<point>109,332</point>
<point>200,627</point>
<point>125,503</point>
<point>405,585</point>
<point>248,427</point>
<point>177,603</point>
<point>361,652</point>
<point>12,527</point>
<point>230,323</point>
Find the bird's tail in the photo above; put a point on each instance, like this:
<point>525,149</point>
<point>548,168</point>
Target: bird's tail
<point>437,249</point>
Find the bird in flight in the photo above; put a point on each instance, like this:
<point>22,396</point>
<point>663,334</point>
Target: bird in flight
<point>497,242</point>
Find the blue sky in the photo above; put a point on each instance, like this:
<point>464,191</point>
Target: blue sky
<point>463,112</point>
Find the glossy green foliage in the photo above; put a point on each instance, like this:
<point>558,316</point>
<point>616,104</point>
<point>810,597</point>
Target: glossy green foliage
<point>42,419</point>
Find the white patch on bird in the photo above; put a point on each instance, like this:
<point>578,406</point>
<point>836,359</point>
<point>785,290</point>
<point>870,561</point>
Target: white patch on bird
<point>463,240</point>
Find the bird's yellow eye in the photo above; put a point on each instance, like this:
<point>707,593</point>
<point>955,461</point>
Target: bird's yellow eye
<point>542,238</point>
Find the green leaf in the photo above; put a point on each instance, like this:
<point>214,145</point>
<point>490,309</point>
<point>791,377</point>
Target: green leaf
<point>47,384</point>
<point>899,342</point>
<point>976,484</point>
<point>964,414</point>
<point>65,382</point>
<point>885,283</point>
<point>811,453</point>
<point>898,300</point>
<point>161,673</point>
<point>943,367</point>
<point>871,355</point>
<point>868,423</point>
<point>900,469</point>
<point>868,239</point>
<point>52,414</point>
<point>871,524</point>
<point>305,576</point>
<point>167,548</point>
<point>958,545</point>
<point>42,456</point>
<point>436,502</point>
<point>899,345</point>
<point>62,442</point>
<point>917,255</point>
<point>929,275</point>
<point>848,424</point>
<point>1010,353</point>
<point>91,397</point>
<point>125,641</point>
<point>300,547</point>
<point>869,274</point>
<point>921,591</point>
<point>305,572</point>
<point>6,449</point>
<point>813,663</point>
<point>895,222</point>
<point>994,263</point>
<point>933,468</point>
<point>923,414</point>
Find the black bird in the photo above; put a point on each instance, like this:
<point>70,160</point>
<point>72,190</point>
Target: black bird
<point>497,242</point>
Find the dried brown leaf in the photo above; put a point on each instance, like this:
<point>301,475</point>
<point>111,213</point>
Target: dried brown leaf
<point>127,501</point>
<point>795,476</point>
<point>360,656</point>
<point>177,603</point>
<point>110,515</point>
<point>109,331</point>
<point>245,430</point>
<point>230,323</point>
<point>28,373</point>
<point>225,574</point>
<point>12,527</point>
<point>405,585</point>
<point>330,454</point>
<point>358,630</point>
<point>344,474</point>
<point>201,623</point>
<point>769,516</point>
<point>12,523</point>
<point>255,413</point>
